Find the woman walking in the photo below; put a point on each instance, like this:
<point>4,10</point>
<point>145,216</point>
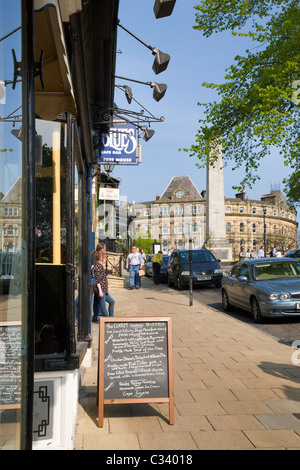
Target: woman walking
<point>101,290</point>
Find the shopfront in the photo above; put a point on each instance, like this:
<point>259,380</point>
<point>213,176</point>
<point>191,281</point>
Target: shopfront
<point>51,93</point>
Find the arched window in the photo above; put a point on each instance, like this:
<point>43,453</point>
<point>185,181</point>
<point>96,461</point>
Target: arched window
<point>180,244</point>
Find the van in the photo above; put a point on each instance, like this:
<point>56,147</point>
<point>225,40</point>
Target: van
<point>205,268</point>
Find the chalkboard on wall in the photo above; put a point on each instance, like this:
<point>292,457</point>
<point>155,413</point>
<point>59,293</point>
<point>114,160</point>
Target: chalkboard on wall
<point>10,364</point>
<point>135,362</point>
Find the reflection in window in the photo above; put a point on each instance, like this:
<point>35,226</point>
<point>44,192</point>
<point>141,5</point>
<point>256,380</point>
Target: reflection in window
<point>12,243</point>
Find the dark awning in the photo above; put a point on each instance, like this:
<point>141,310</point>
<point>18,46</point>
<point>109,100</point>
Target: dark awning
<point>57,95</point>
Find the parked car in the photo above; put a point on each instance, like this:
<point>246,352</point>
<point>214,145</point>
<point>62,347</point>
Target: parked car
<point>148,266</point>
<point>206,268</point>
<point>266,287</point>
<point>293,254</point>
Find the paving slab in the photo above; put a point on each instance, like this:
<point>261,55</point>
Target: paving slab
<point>235,387</point>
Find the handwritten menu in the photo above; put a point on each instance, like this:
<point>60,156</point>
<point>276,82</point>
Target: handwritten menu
<point>136,360</point>
<point>10,366</point>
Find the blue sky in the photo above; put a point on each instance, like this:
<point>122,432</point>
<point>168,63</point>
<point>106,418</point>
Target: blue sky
<point>194,60</point>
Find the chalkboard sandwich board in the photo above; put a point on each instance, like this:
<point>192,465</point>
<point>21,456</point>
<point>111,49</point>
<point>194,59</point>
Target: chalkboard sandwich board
<point>10,364</point>
<point>135,362</point>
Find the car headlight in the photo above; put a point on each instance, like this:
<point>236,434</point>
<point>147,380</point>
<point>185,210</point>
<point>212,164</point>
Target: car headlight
<point>276,296</point>
<point>217,271</point>
<point>285,296</point>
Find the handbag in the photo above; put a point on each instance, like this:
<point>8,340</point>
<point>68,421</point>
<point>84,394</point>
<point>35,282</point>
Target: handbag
<point>141,272</point>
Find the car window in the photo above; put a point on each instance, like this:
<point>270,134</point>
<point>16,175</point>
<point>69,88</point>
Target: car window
<point>244,270</point>
<point>283,269</point>
<point>235,272</point>
<point>198,256</point>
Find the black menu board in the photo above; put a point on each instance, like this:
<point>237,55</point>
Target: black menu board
<point>135,361</point>
<point>10,364</point>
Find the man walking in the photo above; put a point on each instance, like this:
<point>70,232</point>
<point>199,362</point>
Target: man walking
<point>133,264</point>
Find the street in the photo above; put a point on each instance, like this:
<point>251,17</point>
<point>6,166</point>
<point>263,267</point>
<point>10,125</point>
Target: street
<point>286,330</point>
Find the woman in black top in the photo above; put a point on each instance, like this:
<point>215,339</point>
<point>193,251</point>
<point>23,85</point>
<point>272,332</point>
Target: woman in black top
<point>101,290</point>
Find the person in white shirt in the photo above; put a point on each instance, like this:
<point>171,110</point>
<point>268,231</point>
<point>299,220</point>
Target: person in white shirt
<point>133,264</point>
<point>261,252</point>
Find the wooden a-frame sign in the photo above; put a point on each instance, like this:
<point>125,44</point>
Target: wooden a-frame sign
<point>135,362</point>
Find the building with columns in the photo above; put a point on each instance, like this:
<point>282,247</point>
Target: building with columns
<point>180,214</point>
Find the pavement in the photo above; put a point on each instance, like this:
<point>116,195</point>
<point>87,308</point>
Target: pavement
<point>236,388</point>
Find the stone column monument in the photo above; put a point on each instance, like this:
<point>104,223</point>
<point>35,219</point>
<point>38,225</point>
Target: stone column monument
<point>216,240</point>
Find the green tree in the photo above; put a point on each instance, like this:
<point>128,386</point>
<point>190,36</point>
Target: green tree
<point>259,105</point>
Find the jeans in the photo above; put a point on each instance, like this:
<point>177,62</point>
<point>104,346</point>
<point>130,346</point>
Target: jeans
<point>100,309</point>
<point>134,279</point>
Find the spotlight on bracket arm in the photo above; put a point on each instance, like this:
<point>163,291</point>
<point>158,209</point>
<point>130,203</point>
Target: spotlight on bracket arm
<point>163,8</point>
<point>161,60</point>
<point>148,133</point>
<point>159,89</point>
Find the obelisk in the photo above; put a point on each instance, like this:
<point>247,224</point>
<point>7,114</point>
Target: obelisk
<point>216,240</point>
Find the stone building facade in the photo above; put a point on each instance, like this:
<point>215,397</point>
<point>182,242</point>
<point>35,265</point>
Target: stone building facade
<point>179,215</point>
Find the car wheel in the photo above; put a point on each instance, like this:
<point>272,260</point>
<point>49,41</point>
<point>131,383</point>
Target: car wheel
<point>256,312</point>
<point>179,283</point>
<point>225,301</point>
<point>170,283</point>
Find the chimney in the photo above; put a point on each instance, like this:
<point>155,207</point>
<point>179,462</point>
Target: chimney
<point>157,198</point>
<point>241,195</point>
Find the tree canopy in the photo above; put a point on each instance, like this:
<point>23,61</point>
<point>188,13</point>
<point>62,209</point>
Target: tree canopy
<point>259,101</point>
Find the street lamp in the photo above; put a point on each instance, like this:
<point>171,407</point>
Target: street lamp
<point>264,212</point>
<point>163,8</point>
<point>159,89</point>
<point>189,233</point>
<point>108,167</point>
<point>161,60</point>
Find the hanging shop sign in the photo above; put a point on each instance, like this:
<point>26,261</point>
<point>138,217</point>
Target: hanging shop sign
<point>109,194</point>
<point>120,146</point>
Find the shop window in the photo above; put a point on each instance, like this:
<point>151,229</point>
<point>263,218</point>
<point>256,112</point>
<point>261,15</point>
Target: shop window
<point>13,245</point>
<point>51,240</point>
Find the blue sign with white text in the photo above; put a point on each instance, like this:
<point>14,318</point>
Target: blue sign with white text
<point>120,146</point>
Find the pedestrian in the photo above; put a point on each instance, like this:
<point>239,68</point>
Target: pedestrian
<point>133,263</point>
<point>278,254</point>
<point>261,252</point>
<point>100,248</point>
<point>157,261</point>
<point>273,251</point>
<point>101,289</point>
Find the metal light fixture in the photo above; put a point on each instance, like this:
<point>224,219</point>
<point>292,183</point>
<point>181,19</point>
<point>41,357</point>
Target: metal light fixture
<point>108,167</point>
<point>148,133</point>
<point>163,8</point>
<point>159,89</point>
<point>161,60</point>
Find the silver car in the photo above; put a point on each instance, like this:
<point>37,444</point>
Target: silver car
<point>267,287</point>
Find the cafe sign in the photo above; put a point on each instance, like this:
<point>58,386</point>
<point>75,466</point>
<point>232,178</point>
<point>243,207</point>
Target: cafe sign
<point>120,146</point>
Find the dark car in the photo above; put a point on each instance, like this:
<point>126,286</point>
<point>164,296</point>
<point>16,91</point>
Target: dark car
<point>267,287</point>
<point>293,254</point>
<point>205,268</point>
